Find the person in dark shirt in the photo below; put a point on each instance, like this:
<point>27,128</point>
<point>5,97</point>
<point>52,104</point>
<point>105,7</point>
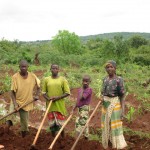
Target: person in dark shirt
<point>113,93</point>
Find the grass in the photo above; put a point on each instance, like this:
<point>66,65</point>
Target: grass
<point>96,134</point>
<point>130,132</point>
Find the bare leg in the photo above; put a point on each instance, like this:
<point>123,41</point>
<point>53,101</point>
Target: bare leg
<point>63,134</point>
<point>53,133</point>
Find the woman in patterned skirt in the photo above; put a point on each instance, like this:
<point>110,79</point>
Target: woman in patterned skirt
<point>113,108</point>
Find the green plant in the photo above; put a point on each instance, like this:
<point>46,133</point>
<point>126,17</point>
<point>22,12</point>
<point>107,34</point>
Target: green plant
<point>130,114</point>
<point>6,83</point>
<point>130,132</point>
<point>68,43</point>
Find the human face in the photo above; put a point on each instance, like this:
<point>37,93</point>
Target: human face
<point>111,70</point>
<point>54,70</point>
<point>85,82</point>
<point>23,68</point>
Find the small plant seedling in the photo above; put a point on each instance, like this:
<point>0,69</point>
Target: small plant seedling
<point>130,114</point>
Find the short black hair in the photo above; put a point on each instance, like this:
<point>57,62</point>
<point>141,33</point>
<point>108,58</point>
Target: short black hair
<point>23,62</point>
<point>54,65</point>
<point>87,77</point>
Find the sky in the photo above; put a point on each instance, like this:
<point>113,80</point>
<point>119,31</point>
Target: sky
<point>31,20</point>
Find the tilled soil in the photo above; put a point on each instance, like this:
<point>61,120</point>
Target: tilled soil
<point>14,141</point>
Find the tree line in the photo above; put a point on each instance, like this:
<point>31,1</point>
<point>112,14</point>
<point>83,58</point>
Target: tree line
<point>67,48</point>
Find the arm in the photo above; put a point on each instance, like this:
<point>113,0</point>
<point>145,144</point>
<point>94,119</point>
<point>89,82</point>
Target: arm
<point>36,97</point>
<point>13,92</point>
<point>122,96</point>
<point>66,91</point>
<point>122,101</point>
<point>102,90</point>
<point>45,96</point>
<point>84,95</point>
<point>13,96</point>
<point>81,95</point>
<point>38,89</point>
<point>55,98</point>
<point>74,108</point>
<point>44,89</point>
<point>59,97</point>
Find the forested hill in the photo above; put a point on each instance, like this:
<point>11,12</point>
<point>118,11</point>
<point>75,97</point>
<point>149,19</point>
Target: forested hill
<point>125,35</point>
<point>68,48</point>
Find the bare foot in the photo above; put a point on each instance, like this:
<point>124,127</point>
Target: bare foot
<point>1,146</point>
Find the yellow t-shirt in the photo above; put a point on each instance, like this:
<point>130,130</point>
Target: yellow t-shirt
<point>24,88</point>
<point>56,87</point>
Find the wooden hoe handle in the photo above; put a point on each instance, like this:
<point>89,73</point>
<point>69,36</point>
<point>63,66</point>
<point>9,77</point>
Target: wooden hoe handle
<point>17,109</point>
<point>38,132</point>
<point>85,125</point>
<point>52,144</point>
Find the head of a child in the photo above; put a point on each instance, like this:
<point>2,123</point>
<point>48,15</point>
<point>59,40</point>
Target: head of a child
<point>54,70</point>
<point>86,81</point>
<point>23,65</point>
<point>111,67</point>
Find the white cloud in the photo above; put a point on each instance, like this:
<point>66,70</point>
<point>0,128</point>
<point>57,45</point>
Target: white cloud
<point>41,19</point>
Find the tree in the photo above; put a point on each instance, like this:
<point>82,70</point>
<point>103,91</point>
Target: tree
<point>9,45</point>
<point>141,55</point>
<point>66,42</point>
<point>9,51</point>
<point>94,43</point>
<point>108,49</point>
<point>121,47</point>
<point>136,41</point>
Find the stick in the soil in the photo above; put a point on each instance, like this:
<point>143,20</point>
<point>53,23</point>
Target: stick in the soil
<point>85,125</point>
<point>38,132</point>
<point>52,144</point>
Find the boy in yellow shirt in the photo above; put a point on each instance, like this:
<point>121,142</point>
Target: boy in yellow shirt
<point>22,87</point>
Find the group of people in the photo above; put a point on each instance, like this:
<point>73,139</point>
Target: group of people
<point>55,88</point>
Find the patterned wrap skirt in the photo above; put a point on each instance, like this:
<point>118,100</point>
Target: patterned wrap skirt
<point>82,119</point>
<point>111,123</point>
<point>56,120</point>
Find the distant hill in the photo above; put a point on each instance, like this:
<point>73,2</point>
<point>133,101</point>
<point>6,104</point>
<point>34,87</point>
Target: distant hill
<point>125,35</point>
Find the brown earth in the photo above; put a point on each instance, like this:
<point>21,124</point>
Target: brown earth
<point>14,141</point>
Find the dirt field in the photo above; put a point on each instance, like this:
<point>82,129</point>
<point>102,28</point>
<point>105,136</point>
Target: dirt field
<point>14,141</point>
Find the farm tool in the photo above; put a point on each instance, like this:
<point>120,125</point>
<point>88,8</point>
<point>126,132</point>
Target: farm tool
<point>9,123</point>
<point>40,127</point>
<point>16,110</point>
<point>52,144</point>
<point>85,125</point>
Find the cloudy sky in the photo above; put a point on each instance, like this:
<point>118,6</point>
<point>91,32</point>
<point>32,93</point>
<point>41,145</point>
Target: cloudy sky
<point>30,20</point>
